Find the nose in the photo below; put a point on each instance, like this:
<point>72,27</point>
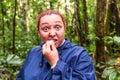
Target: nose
<point>52,33</point>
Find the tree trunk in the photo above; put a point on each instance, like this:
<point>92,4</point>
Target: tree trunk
<point>25,15</point>
<point>78,23</point>
<point>100,51</point>
<point>66,13</point>
<point>112,23</point>
<point>14,25</point>
<point>85,17</point>
<point>51,4</point>
<point>113,19</point>
<point>3,27</point>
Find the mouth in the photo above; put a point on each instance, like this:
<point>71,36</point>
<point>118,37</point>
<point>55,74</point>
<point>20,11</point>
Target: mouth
<point>54,40</point>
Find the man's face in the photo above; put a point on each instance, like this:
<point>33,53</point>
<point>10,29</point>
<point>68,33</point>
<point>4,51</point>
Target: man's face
<point>52,28</point>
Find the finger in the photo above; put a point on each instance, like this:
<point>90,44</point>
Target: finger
<point>53,46</point>
<point>48,46</point>
<point>43,48</point>
<point>49,43</point>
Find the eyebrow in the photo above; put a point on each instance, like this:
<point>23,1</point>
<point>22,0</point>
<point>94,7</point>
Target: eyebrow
<point>47,23</point>
<point>58,22</point>
<point>43,23</point>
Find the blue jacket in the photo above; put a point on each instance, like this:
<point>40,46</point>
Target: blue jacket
<point>74,64</point>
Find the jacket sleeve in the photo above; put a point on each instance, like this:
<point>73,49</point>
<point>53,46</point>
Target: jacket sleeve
<point>83,68</point>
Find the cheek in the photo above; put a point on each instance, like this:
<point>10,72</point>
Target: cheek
<point>43,36</point>
<point>62,34</point>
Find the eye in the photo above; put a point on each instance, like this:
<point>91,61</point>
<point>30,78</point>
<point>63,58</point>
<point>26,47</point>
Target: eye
<point>45,28</point>
<point>57,27</point>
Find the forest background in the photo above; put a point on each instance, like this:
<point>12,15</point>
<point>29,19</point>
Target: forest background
<point>94,24</point>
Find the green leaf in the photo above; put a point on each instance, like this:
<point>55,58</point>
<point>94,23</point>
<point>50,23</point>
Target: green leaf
<point>118,78</point>
<point>107,72</point>
<point>113,76</point>
<point>15,60</point>
<point>111,62</point>
<point>116,39</point>
<point>9,57</point>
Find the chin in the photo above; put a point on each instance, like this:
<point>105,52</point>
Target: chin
<point>56,45</point>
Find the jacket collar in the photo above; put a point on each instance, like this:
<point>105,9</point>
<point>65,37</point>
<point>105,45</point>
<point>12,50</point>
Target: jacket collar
<point>67,44</point>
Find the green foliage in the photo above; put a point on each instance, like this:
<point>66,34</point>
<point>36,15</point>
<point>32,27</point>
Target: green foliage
<point>111,72</point>
<point>9,65</point>
<point>114,42</point>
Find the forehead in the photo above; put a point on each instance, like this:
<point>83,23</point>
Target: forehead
<point>50,18</point>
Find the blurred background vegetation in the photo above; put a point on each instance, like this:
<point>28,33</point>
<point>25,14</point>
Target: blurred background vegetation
<point>94,24</point>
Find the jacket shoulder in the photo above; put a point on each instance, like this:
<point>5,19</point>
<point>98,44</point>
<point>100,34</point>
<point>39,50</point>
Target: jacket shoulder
<point>79,48</point>
<point>36,48</point>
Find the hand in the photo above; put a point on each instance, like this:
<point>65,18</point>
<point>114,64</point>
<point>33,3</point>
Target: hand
<point>50,52</point>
